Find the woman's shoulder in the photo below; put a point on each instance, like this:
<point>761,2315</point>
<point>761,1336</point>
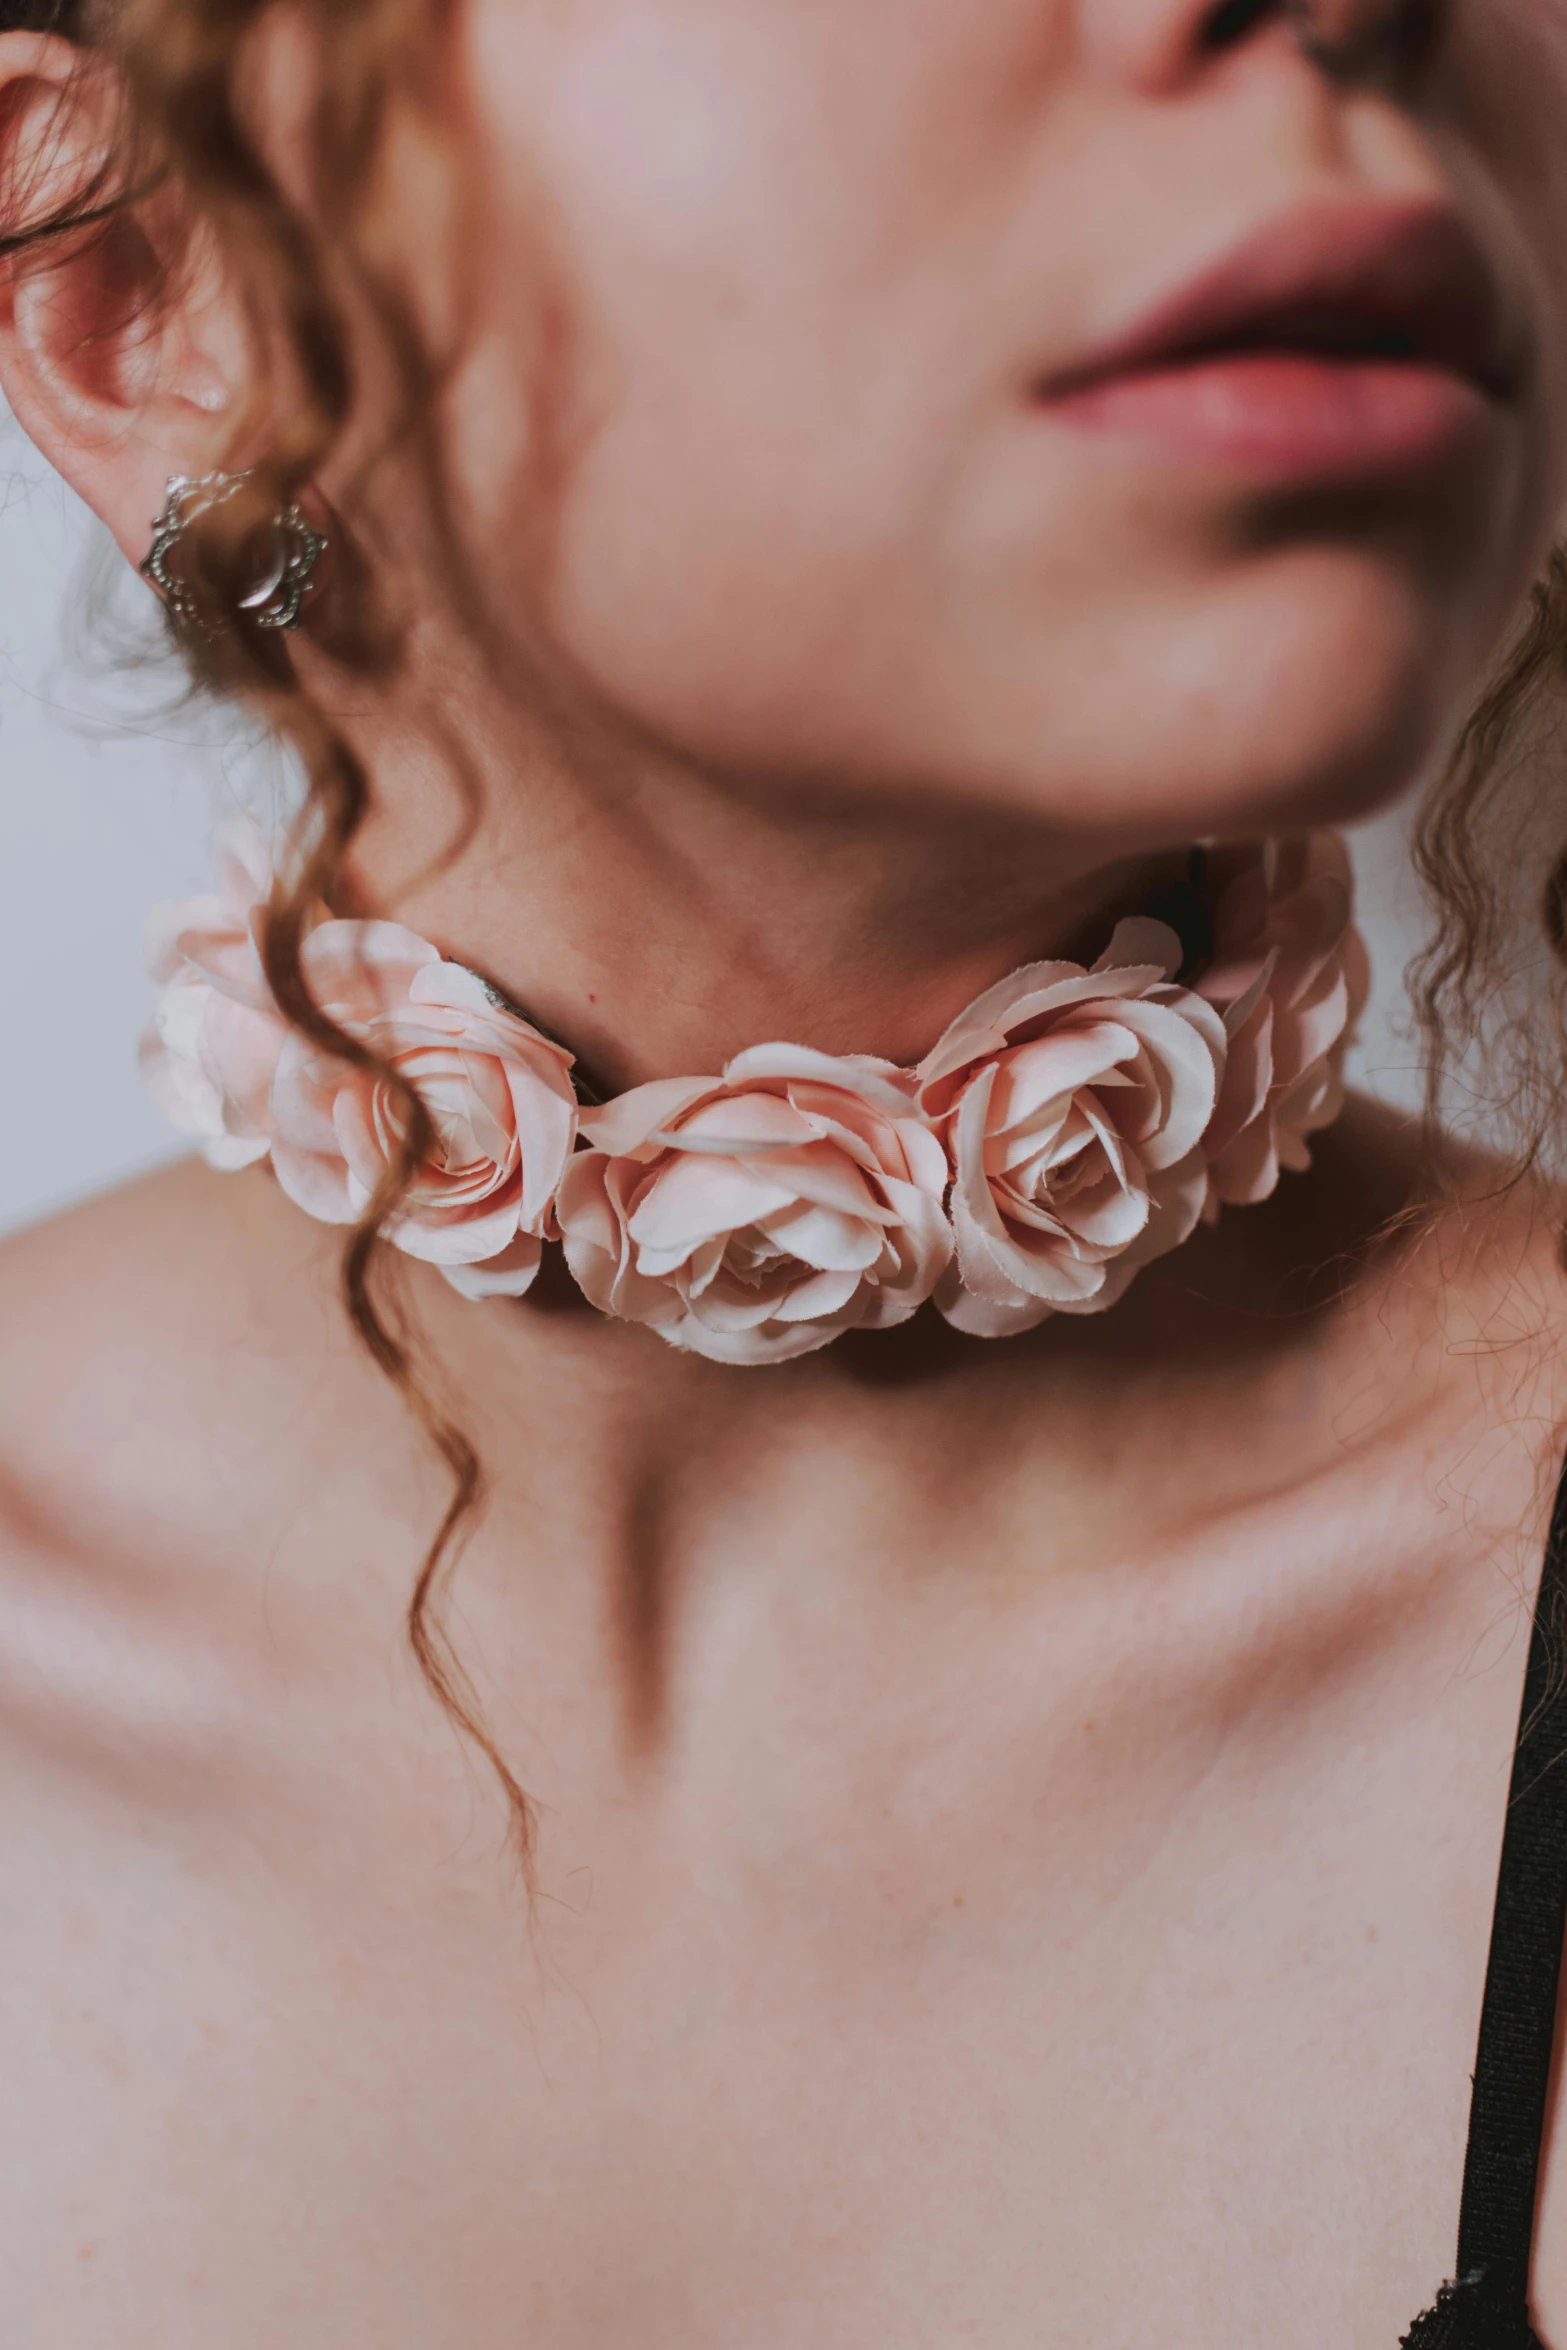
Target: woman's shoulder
<point>173,1375</point>
<point>1450,1262</point>
<point>138,1327</point>
<point>1477,1257</point>
<point>1393,1221</point>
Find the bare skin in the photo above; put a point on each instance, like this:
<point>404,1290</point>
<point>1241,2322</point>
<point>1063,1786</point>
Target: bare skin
<point>1017,1822</point>
<point>1010,1864</point>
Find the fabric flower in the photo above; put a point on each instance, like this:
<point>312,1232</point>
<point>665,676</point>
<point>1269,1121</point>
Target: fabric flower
<point>208,1053</point>
<point>1072,1104</point>
<point>498,1093</point>
<point>753,1217</point>
<point>1291,978</point>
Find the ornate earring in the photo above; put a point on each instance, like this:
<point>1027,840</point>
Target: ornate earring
<point>287,569</point>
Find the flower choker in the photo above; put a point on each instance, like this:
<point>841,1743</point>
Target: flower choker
<point>1071,1125</point>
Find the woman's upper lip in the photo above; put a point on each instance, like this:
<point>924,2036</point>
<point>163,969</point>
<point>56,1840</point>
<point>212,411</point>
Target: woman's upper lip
<point>1344,281</point>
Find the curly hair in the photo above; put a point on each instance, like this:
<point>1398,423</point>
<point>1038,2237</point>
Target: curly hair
<point>179,70</point>
<point>1490,990</point>
<point>307,271</point>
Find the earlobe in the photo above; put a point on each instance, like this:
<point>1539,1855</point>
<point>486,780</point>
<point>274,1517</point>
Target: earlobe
<point>122,351</point>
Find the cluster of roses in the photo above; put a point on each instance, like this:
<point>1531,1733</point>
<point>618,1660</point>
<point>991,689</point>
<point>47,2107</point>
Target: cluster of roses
<point>1071,1125</point>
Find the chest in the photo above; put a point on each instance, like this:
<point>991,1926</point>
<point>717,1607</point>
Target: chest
<point>1032,2043</point>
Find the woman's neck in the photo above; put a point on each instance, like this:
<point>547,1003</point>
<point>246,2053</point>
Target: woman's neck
<point>659,921</point>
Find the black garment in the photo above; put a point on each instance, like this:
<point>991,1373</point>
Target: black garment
<point>1488,2307</point>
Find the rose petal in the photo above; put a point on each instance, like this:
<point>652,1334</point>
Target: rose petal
<point>627,1125</point>
<point>512,1274</point>
<point>878,1083</point>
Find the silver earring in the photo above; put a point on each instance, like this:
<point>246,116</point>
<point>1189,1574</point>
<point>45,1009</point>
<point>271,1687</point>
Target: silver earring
<point>287,573</point>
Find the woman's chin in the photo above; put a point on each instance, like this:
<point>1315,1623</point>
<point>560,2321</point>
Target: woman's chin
<point>1125,702</point>
<point>1274,704</point>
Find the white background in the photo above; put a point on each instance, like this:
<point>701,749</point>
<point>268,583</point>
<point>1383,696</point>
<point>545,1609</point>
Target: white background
<point>109,793</point>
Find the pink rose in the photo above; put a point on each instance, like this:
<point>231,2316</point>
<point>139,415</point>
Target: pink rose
<point>1072,1104</point>
<point>208,1053</point>
<point>1291,979</point>
<point>499,1096</point>
<point>753,1217</point>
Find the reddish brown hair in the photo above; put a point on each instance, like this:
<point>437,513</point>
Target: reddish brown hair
<point>1490,990</point>
<point>178,65</point>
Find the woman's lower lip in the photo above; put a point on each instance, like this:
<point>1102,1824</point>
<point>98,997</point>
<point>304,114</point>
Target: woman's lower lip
<point>1289,414</point>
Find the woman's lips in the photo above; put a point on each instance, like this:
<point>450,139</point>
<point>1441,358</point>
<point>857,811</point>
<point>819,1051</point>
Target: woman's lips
<point>1293,415</point>
<point>1340,340</point>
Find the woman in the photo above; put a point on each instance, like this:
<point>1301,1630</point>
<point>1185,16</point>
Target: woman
<point>989,1543</point>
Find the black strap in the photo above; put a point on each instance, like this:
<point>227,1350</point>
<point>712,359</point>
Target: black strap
<point>1518,2021</point>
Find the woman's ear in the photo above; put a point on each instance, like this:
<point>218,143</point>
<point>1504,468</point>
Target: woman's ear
<point>124,352</point>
